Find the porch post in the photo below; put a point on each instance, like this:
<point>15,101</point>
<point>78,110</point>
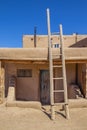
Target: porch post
<point>2,84</point>
<point>83,78</point>
<point>86,82</point>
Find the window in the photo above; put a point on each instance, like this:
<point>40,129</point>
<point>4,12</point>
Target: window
<point>24,73</point>
<point>56,45</point>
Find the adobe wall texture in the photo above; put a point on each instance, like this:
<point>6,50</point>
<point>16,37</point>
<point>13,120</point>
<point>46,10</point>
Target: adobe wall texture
<point>42,41</point>
<point>29,88</point>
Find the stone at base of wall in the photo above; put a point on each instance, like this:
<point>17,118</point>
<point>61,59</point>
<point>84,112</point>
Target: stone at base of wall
<point>23,104</point>
<point>11,94</point>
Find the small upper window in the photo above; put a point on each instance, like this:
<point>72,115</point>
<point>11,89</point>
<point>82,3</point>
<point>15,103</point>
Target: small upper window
<point>56,45</point>
<point>24,73</point>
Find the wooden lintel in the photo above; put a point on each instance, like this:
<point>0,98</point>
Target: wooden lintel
<point>42,61</point>
<point>76,61</point>
<point>25,62</point>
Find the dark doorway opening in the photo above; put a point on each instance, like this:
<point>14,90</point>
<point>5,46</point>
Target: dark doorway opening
<point>44,87</point>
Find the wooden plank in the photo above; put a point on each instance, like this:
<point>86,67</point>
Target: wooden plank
<point>44,62</point>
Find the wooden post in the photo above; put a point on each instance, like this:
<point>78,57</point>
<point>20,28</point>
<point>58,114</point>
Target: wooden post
<point>64,73</point>
<point>35,36</point>
<point>50,67</point>
<point>86,83</point>
<point>83,80</point>
<point>2,80</point>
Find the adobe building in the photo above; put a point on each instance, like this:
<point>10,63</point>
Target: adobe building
<point>24,72</point>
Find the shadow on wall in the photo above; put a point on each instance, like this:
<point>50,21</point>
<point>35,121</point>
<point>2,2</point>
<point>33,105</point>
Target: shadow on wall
<point>81,43</point>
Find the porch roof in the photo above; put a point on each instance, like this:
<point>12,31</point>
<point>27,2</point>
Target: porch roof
<point>41,53</point>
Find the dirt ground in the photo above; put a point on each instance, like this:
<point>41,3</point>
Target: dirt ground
<point>14,118</point>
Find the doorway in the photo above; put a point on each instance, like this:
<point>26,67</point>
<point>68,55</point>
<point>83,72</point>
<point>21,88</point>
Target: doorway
<point>44,87</point>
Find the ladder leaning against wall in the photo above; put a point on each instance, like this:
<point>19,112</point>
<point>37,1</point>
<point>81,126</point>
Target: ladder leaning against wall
<point>51,69</point>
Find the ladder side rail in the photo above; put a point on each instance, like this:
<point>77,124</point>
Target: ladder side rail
<point>63,63</point>
<point>50,59</point>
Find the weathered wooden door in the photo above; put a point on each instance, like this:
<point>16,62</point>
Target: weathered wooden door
<point>44,87</point>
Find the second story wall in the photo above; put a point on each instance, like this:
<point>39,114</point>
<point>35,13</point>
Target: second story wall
<point>41,41</point>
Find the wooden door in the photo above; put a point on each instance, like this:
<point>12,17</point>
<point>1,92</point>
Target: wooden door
<point>44,87</point>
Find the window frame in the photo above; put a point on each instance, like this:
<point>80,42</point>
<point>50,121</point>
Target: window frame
<point>24,73</point>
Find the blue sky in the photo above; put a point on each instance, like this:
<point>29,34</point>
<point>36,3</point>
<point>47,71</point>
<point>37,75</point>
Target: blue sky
<point>18,17</point>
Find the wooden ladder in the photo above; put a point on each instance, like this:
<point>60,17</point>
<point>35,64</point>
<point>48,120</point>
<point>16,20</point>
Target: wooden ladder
<point>52,78</point>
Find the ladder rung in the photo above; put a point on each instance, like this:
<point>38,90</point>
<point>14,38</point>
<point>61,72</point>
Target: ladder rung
<point>58,91</point>
<point>57,66</point>
<point>55,58</point>
<point>58,78</point>
<point>56,54</point>
<point>60,103</point>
